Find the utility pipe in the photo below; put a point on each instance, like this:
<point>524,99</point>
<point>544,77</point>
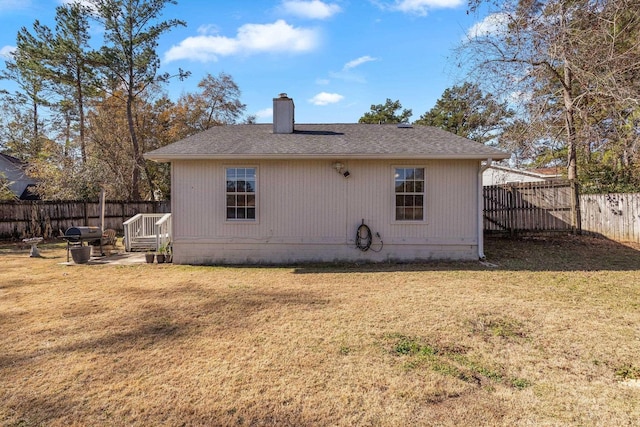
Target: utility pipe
<point>481,209</point>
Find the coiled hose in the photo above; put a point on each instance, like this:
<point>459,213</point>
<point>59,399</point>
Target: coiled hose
<point>364,238</point>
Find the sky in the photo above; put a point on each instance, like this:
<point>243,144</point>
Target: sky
<point>334,58</point>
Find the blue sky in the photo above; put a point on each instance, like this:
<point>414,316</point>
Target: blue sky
<point>333,57</point>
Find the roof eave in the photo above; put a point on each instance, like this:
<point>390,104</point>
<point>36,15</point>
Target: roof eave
<point>348,156</point>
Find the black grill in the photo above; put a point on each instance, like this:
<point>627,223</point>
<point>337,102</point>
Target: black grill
<point>76,236</point>
<point>83,234</point>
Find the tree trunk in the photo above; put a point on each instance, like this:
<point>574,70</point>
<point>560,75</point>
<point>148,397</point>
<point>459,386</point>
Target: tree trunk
<point>80,95</point>
<point>138,161</point>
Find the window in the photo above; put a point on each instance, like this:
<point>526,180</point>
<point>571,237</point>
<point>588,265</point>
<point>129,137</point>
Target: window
<point>241,193</point>
<point>409,193</point>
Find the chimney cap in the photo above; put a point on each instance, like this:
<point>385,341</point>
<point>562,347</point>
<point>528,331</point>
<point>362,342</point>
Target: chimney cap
<point>282,95</point>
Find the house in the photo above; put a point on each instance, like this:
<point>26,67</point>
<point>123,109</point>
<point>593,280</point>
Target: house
<point>13,170</point>
<point>287,192</point>
<point>501,175</point>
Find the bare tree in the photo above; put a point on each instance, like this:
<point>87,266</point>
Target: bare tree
<point>559,59</point>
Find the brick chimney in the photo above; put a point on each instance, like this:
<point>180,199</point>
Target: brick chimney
<point>283,109</point>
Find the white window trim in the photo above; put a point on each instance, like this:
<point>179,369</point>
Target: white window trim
<point>224,197</point>
<point>422,221</point>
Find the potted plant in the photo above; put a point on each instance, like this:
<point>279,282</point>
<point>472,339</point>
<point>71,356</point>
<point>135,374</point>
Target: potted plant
<point>169,253</point>
<point>162,253</point>
<point>149,257</point>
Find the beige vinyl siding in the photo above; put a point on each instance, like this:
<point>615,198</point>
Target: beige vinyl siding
<point>307,211</point>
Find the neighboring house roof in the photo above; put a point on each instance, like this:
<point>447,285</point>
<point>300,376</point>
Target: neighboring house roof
<point>30,193</point>
<point>13,170</point>
<point>258,141</point>
<point>549,173</point>
<point>497,175</point>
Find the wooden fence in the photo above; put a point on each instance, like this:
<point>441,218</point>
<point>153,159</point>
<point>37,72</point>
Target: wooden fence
<point>530,207</point>
<point>616,216</point>
<point>21,219</point>
<point>513,209</point>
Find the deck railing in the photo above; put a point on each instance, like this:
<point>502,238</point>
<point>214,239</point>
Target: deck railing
<point>141,228</point>
<point>163,231</point>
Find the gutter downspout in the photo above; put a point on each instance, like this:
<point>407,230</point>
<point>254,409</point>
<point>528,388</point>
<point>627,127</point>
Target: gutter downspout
<point>481,209</point>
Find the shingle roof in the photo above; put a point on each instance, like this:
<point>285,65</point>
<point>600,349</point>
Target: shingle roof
<point>325,140</point>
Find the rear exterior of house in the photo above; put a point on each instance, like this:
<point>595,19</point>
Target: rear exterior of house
<point>255,194</point>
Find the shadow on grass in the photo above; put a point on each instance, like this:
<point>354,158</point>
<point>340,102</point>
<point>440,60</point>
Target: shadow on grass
<point>550,253</point>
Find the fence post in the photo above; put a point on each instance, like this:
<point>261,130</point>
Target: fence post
<point>576,217</point>
<point>511,196</point>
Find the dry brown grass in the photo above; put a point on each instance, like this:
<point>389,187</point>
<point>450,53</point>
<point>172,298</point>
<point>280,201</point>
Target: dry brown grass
<point>545,338</point>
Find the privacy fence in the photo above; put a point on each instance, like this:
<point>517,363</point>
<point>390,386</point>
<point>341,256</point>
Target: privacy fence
<point>531,207</point>
<point>547,207</point>
<point>21,219</point>
<point>616,216</point>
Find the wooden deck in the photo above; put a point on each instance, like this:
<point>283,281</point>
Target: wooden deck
<point>147,232</point>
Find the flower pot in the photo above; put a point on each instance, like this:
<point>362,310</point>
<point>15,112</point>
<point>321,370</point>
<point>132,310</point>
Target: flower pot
<point>149,258</point>
<point>160,258</point>
<point>81,254</point>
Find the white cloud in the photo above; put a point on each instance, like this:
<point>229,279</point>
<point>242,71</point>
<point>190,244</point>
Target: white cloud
<point>313,9</point>
<point>325,98</point>
<point>358,61</point>
<point>209,29</point>
<point>87,3</point>
<point>492,24</point>
<point>420,7</point>
<point>266,113</point>
<point>7,51</point>
<point>250,39</point>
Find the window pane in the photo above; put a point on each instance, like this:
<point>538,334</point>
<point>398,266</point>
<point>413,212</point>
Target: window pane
<point>419,201</point>
<point>231,200</point>
<point>251,174</point>
<point>251,200</point>
<point>242,200</point>
<point>418,214</point>
<point>231,186</point>
<point>240,214</point>
<point>400,214</point>
<point>231,213</point>
<point>251,186</point>
<point>251,213</point>
<point>419,187</point>
<point>399,187</point>
<point>231,173</point>
<point>419,173</point>
<point>400,173</point>
<point>409,187</point>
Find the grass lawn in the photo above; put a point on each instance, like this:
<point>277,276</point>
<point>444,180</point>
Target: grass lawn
<point>550,335</point>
